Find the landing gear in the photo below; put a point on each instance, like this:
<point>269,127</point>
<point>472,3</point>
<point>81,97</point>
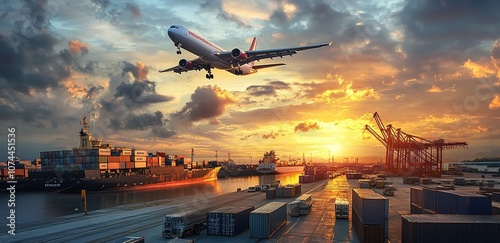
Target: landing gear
<point>208,67</point>
<point>178,45</point>
<point>238,72</point>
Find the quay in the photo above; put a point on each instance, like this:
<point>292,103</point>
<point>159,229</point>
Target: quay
<point>145,219</point>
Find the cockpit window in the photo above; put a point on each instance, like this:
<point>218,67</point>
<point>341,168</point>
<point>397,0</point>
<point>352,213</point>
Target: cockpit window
<point>173,26</point>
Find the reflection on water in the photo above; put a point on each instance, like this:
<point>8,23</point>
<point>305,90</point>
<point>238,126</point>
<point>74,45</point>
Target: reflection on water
<point>36,206</point>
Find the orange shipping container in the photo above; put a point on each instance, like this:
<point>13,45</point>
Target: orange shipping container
<point>113,166</point>
<point>130,165</point>
<point>114,159</point>
<point>20,172</point>
<point>124,158</point>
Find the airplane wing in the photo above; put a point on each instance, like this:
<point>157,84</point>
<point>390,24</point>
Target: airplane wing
<point>198,64</point>
<point>257,55</point>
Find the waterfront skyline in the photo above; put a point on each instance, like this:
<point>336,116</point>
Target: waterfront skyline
<point>431,68</point>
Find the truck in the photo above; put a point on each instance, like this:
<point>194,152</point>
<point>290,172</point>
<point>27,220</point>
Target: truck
<point>175,225</point>
<point>341,209</point>
<point>301,205</point>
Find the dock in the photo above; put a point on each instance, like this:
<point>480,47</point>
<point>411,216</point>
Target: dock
<point>320,225</point>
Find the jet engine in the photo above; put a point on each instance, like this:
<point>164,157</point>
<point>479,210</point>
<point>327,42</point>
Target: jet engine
<point>239,55</point>
<point>186,65</point>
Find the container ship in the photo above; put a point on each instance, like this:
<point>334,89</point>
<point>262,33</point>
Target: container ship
<point>95,166</point>
<point>270,164</point>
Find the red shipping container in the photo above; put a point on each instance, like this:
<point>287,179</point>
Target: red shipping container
<point>113,159</point>
<point>130,165</point>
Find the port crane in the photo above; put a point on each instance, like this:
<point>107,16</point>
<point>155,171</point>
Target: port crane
<point>409,154</point>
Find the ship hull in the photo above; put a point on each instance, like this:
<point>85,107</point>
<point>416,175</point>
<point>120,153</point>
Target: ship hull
<point>282,170</point>
<point>152,178</point>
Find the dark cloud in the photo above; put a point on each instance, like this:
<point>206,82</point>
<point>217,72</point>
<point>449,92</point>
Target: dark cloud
<point>269,89</point>
<point>272,135</point>
<point>206,102</point>
<point>249,136</point>
<point>162,132</point>
<point>134,10</point>
<point>139,70</point>
<point>216,7</point>
<point>34,114</point>
<point>443,31</point>
<point>101,3</point>
<point>306,126</point>
<point>139,94</point>
<point>138,121</point>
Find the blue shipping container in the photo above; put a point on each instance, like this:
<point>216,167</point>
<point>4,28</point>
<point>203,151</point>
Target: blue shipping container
<point>266,220</point>
<point>419,228</point>
<point>458,202</point>
<point>416,196</point>
<point>429,198</point>
<point>371,207</point>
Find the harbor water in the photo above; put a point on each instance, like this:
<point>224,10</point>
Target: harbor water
<point>37,206</point>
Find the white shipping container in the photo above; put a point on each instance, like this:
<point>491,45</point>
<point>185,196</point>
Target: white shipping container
<point>104,152</point>
<point>138,159</point>
<point>137,152</point>
<point>126,152</point>
<point>140,164</point>
<point>103,166</point>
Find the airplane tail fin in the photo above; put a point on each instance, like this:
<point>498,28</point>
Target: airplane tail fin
<point>252,47</point>
<point>254,44</point>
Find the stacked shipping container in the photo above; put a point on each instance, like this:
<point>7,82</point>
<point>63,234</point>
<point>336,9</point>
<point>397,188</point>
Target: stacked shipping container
<point>450,228</point>
<point>428,200</point>
<point>97,159</point>
<point>370,215</point>
<point>229,220</point>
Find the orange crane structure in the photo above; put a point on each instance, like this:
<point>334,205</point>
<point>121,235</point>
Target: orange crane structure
<point>408,154</point>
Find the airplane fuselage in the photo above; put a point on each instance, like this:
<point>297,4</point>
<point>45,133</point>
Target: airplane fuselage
<point>236,61</point>
<point>203,48</point>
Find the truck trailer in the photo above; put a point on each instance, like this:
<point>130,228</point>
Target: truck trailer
<point>301,205</point>
<point>175,225</point>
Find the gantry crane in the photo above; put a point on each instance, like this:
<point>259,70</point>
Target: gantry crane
<point>409,154</point>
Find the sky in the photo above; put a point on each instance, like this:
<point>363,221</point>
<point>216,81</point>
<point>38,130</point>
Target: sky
<point>431,68</point>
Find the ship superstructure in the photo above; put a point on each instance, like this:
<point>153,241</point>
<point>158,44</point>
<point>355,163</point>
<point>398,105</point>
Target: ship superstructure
<point>270,164</point>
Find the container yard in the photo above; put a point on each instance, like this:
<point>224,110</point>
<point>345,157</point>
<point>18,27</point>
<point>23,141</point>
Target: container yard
<point>371,217</point>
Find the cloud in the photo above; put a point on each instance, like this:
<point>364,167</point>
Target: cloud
<point>139,70</point>
<point>76,46</point>
<point>272,135</point>
<point>306,126</point>
<point>138,121</point>
<point>134,10</point>
<point>269,89</point>
<point>495,103</point>
<point>249,136</point>
<point>162,132</point>
<point>206,102</point>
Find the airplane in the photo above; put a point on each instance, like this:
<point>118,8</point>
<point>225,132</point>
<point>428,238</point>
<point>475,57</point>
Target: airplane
<point>210,56</point>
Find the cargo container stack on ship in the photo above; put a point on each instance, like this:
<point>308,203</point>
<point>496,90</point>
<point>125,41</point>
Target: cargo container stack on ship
<point>95,166</point>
